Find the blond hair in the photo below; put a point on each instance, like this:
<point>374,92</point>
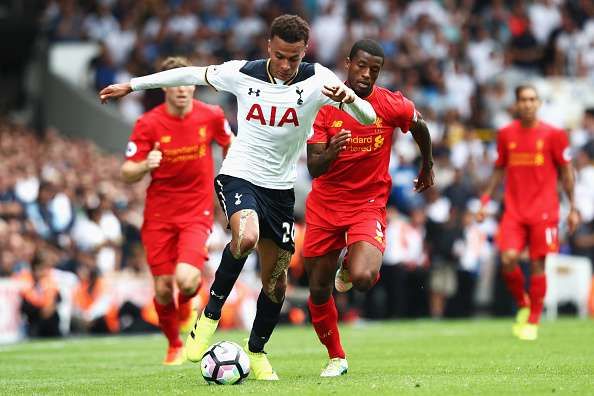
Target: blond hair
<point>173,62</point>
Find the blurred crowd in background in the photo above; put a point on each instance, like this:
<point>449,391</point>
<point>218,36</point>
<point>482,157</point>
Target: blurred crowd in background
<point>69,227</point>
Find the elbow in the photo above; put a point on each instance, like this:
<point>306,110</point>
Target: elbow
<point>314,171</point>
<point>125,176</point>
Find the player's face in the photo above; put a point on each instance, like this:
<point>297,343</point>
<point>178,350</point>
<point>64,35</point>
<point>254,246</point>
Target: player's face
<point>527,104</point>
<point>179,97</point>
<point>363,71</point>
<point>285,57</point>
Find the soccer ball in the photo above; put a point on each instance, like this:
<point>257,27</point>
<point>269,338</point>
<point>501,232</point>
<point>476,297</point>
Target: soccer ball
<point>225,363</point>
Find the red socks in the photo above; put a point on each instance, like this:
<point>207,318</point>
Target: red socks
<point>324,318</point>
<point>184,305</point>
<point>169,322</point>
<point>538,289</point>
<point>514,280</point>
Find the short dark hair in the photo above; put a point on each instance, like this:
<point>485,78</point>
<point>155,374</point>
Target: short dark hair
<point>370,46</point>
<point>290,28</point>
<point>173,62</point>
<point>523,87</point>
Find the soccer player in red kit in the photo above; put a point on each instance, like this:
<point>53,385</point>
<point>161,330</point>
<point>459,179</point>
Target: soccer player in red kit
<point>530,154</point>
<point>173,143</point>
<point>347,203</point>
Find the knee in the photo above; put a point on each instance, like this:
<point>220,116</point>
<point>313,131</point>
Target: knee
<point>320,290</point>
<point>364,280</point>
<point>509,260</point>
<point>320,294</point>
<point>244,244</point>
<point>187,285</point>
<point>164,291</point>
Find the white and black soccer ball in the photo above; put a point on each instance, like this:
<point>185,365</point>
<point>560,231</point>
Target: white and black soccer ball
<point>225,363</point>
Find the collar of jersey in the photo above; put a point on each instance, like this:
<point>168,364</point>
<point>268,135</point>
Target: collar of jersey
<point>272,80</point>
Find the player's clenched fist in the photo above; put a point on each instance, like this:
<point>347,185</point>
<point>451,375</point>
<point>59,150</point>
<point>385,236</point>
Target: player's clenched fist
<point>339,142</point>
<point>153,160</point>
<point>114,91</point>
<point>339,93</point>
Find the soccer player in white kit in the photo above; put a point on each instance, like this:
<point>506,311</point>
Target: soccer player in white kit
<point>277,99</point>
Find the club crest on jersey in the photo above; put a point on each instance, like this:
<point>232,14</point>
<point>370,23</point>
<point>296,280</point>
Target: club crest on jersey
<point>238,198</point>
<point>299,92</point>
<point>254,92</point>
<point>257,114</point>
<point>131,149</point>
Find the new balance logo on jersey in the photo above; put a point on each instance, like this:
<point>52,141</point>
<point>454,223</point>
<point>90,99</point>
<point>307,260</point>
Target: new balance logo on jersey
<point>256,113</point>
<point>299,92</point>
<point>254,91</point>
<point>238,198</point>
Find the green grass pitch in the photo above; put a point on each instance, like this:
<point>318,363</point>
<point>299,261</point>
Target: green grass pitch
<point>477,357</point>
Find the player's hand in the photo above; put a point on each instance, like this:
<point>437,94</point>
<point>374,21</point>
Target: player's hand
<point>339,93</point>
<point>114,91</point>
<point>338,142</point>
<point>481,215</point>
<point>424,180</point>
<point>573,220</point>
<point>153,160</point>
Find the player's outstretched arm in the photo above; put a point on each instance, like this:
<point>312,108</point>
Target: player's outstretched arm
<point>568,181</point>
<point>350,103</point>
<point>190,75</point>
<point>420,133</point>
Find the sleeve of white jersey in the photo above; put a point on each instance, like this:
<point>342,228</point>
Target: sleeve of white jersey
<point>223,77</point>
<point>326,77</point>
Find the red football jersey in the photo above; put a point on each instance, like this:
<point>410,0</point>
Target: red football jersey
<point>359,175</point>
<point>181,188</point>
<point>531,157</point>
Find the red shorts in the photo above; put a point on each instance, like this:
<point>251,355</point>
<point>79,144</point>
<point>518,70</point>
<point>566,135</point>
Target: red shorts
<point>167,244</point>
<point>327,231</point>
<point>542,237</point>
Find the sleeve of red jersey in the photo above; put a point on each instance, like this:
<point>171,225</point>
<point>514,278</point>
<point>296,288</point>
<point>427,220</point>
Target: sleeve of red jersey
<point>320,131</point>
<point>222,133</point>
<point>141,141</point>
<point>561,149</point>
<point>401,110</point>
<point>501,160</point>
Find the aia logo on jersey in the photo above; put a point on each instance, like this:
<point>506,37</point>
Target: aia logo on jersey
<point>257,114</point>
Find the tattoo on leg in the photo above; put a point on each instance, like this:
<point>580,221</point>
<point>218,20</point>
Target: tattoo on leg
<point>244,216</point>
<point>280,271</point>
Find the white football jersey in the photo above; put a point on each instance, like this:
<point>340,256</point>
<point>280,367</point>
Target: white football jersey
<point>274,120</point>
